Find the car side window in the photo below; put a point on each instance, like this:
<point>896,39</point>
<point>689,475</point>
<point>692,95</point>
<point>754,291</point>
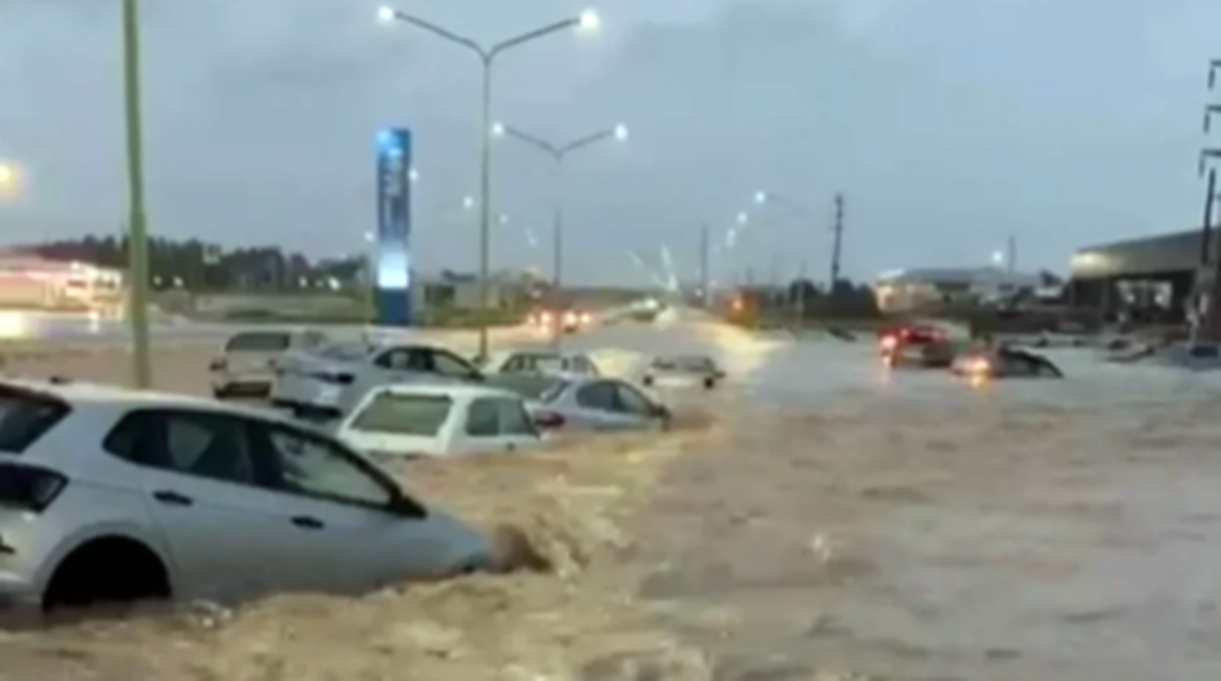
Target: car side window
<point>313,466</point>
<point>212,446</point>
<point>395,359</point>
<point>483,418</point>
<point>451,365</point>
<point>514,421</point>
<point>600,396</point>
<point>632,401</point>
<point>515,364</point>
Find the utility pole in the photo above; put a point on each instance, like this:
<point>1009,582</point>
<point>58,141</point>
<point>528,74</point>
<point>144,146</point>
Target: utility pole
<point>1011,255</point>
<point>800,306</point>
<point>838,240</point>
<point>705,294</point>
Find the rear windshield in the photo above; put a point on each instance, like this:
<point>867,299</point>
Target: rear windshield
<point>25,417</point>
<point>259,341</point>
<point>399,414</point>
<point>344,351</point>
<point>683,363</point>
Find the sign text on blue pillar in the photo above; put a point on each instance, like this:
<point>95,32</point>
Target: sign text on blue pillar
<point>394,296</point>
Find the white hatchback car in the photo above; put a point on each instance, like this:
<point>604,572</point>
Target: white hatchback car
<point>246,364</point>
<point>540,362</point>
<point>114,495</point>
<point>407,421</point>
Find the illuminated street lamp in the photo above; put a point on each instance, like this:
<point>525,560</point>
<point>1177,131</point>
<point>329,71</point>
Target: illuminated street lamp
<point>557,153</point>
<point>587,21</point>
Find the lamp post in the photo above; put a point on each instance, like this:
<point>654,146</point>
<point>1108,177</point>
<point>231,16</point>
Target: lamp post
<point>557,153</point>
<point>588,20</point>
<point>137,237</point>
<point>765,198</point>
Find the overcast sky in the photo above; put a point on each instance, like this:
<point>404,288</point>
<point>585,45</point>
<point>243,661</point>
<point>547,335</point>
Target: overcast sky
<point>949,125</point>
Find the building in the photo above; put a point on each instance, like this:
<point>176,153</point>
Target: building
<point>921,289</point>
<point>459,291</point>
<point>29,281</point>
<point>1158,271</point>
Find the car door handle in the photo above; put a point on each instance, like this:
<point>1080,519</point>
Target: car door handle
<point>172,498</point>
<point>308,522</point>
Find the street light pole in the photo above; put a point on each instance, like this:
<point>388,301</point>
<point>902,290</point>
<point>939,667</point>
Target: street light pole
<point>137,241</point>
<point>557,153</point>
<point>487,58</point>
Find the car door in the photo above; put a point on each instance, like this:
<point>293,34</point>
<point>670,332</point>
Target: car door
<point>346,504</point>
<point>497,424</point>
<point>452,367</point>
<point>636,407</point>
<point>597,407</point>
<point>205,485</point>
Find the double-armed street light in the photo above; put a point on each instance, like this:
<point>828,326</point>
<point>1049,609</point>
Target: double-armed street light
<point>557,153</point>
<point>586,21</point>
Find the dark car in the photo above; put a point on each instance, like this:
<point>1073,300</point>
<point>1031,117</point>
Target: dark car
<point>1005,362</point>
<point>919,346</point>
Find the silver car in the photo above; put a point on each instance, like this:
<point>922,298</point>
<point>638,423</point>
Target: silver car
<point>683,371</point>
<point>330,380</point>
<point>114,495</point>
<point>593,403</point>
<point>540,362</point>
<point>246,363</point>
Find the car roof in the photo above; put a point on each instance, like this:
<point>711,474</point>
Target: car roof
<point>83,393</point>
<point>461,391</point>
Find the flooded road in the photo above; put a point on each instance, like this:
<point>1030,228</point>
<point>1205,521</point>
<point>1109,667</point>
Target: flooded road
<point>903,526</point>
<point>837,522</point>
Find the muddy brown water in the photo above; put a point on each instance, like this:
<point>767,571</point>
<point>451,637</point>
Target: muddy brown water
<point>831,522</point>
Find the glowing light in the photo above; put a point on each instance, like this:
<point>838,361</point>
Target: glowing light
<point>760,197</point>
<point>498,129</point>
<point>386,14</point>
<point>621,132</point>
<point>14,325</point>
<point>743,218</point>
<point>590,21</point>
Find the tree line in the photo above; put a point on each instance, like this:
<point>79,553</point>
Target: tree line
<point>197,265</point>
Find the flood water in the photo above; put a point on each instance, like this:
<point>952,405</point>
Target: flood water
<point>834,522</point>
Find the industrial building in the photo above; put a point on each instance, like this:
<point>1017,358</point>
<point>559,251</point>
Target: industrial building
<point>928,288</point>
<point>28,281</point>
<point>1157,272</point>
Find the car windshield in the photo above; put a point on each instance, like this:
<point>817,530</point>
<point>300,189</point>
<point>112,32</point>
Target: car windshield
<point>529,386</point>
<point>259,341</point>
<point>404,414</point>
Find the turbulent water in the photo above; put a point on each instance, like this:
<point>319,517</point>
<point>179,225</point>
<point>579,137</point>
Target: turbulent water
<point>833,522</point>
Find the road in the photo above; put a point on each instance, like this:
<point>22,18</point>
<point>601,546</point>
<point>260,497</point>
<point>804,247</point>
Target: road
<point>889,525</point>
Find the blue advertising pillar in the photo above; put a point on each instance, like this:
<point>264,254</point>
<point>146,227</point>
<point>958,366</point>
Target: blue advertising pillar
<point>393,280</point>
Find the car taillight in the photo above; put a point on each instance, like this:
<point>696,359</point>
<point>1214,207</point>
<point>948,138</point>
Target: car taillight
<point>548,420</point>
<point>218,365</point>
<point>29,488</point>
<point>889,342</point>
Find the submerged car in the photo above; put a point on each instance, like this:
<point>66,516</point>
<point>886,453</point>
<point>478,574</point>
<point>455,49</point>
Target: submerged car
<point>409,421</point>
<point>246,364</point>
<point>602,404</point>
<point>1004,362</point>
<point>329,381</point>
<point>109,494</point>
<point>916,346</point>
<point>683,371</point>
<point>540,362</point>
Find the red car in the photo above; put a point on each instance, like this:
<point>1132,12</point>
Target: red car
<point>915,345</point>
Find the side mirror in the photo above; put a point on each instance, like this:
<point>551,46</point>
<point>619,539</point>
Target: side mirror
<point>405,507</point>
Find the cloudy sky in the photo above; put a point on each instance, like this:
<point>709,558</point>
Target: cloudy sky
<point>948,124</point>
